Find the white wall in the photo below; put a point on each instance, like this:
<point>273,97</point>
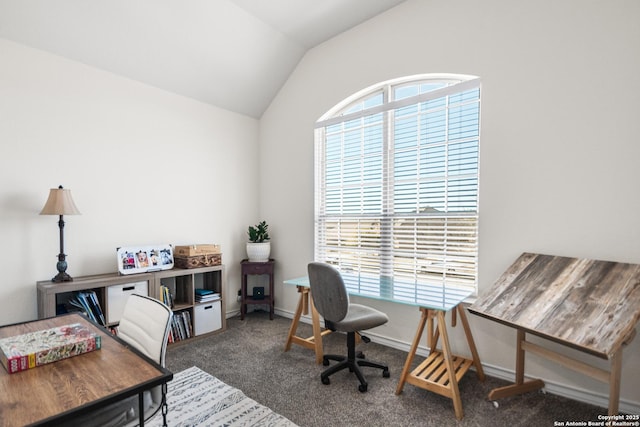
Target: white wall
<point>144,167</point>
<point>559,144</point>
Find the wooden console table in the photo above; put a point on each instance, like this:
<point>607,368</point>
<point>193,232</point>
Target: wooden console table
<point>589,305</point>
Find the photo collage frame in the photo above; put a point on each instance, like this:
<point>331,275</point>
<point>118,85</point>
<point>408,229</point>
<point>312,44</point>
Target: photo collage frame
<point>143,259</point>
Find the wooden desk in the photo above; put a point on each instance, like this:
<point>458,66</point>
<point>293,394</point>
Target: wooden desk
<point>441,371</point>
<point>589,305</point>
<point>59,391</point>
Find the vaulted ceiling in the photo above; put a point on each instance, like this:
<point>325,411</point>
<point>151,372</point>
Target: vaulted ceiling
<point>234,54</point>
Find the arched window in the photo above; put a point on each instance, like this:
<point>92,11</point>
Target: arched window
<point>396,187</point>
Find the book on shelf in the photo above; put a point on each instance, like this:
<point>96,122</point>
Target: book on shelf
<point>205,300</point>
<point>181,327</point>
<point>186,320</point>
<point>207,297</point>
<point>26,351</point>
<point>87,301</point>
<point>165,296</point>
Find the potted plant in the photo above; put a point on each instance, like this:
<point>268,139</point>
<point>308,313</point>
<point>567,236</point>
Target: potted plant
<point>259,244</point>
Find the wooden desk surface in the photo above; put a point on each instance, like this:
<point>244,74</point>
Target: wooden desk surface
<point>587,304</point>
<point>75,384</point>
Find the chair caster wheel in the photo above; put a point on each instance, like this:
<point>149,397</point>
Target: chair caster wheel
<point>362,388</point>
<point>386,373</point>
<point>325,362</point>
<point>325,380</point>
<point>360,355</point>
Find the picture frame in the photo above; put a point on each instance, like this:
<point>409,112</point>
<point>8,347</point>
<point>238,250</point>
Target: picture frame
<point>143,259</point>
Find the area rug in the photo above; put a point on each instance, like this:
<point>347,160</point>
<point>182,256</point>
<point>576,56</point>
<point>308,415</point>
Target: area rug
<point>196,398</point>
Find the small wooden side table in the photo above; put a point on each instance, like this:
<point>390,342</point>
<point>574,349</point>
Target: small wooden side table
<point>256,268</point>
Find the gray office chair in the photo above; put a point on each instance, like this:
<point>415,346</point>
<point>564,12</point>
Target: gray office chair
<point>331,299</point>
<point>145,325</point>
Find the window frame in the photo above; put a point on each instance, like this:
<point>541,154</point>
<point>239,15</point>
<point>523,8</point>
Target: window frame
<point>387,285</point>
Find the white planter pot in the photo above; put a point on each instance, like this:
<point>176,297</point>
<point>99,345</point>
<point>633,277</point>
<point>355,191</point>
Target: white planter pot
<point>258,252</point>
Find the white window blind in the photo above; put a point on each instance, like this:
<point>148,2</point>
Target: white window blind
<point>396,188</point>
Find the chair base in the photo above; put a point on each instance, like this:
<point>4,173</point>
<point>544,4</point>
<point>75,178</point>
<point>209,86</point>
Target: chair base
<point>352,361</point>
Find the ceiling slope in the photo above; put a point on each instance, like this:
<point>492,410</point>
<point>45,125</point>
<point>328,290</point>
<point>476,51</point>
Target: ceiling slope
<point>234,54</point>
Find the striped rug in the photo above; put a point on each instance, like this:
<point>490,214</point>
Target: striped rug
<point>196,398</point>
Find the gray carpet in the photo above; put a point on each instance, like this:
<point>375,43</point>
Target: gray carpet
<point>249,356</point>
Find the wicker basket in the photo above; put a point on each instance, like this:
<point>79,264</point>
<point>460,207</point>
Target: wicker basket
<point>193,250</point>
<point>207,260</point>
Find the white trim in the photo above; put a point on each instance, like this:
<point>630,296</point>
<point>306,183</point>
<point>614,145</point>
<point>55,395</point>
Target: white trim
<point>393,82</point>
<point>392,105</point>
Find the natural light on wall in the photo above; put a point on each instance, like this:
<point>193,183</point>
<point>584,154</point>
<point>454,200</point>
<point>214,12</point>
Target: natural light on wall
<point>396,187</point>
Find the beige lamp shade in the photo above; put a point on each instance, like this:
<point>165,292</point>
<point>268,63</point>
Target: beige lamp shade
<point>60,202</point>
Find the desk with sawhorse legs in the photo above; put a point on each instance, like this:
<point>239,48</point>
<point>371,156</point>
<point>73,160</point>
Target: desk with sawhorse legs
<point>589,305</point>
<point>441,371</point>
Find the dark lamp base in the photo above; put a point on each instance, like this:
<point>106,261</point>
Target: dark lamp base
<point>62,277</point>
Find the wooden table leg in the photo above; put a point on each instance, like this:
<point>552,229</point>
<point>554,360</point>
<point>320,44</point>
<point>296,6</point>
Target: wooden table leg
<point>272,297</point>
<point>520,386</point>
<point>294,322</point>
<point>520,356</point>
<point>615,374</point>
<point>472,344</point>
<point>314,342</point>
<point>412,351</point>
<point>614,382</point>
<point>446,351</point>
<point>317,332</point>
<point>432,338</point>
<point>243,292</point>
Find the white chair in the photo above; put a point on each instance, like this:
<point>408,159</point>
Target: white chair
<point>145,325</point>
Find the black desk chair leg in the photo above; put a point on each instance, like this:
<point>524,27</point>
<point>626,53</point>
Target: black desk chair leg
<point>353,361</point>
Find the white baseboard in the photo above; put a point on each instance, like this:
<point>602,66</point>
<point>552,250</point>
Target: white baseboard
<point>551,387</point>
<point>234,313</point>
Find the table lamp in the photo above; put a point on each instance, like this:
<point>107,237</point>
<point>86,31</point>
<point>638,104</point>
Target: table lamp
<point>60,203</point>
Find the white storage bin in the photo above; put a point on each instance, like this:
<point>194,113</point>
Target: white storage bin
<point>208,318</point>
<point>117,298</point>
